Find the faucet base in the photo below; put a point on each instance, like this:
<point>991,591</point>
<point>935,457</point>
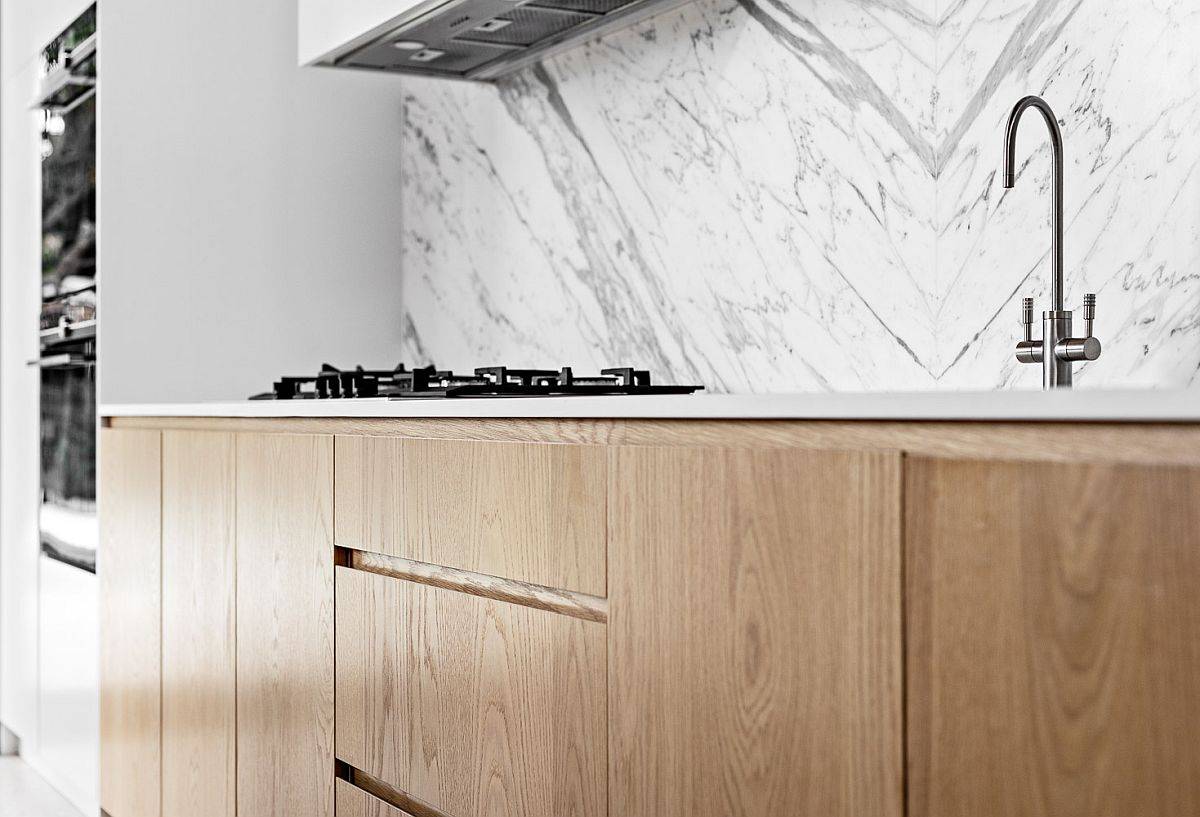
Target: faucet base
<point>1057,351</point>
<point>1056,327</point>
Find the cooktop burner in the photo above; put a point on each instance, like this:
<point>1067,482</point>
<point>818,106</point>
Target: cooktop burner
<point>490,381</point>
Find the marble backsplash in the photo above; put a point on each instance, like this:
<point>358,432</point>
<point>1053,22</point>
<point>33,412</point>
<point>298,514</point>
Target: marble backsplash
<point>781,195</point>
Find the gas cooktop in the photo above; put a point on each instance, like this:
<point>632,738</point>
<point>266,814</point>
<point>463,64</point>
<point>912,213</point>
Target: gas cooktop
<point>490,381</point>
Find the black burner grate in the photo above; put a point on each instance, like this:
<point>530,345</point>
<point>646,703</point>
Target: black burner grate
<point>491,381</point>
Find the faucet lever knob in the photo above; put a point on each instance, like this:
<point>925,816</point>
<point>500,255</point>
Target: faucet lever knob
<point>1028,350</point>
<point>1027,317</point>
<point>1089,313</point>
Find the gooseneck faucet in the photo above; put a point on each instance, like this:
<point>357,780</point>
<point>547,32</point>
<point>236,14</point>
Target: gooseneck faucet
<point>1057,351</point>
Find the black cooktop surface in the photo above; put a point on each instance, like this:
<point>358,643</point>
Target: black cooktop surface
<point>401,383</point>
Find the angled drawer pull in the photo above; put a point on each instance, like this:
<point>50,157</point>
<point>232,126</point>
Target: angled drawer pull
<point>353,801</point>
<point>566,602</point>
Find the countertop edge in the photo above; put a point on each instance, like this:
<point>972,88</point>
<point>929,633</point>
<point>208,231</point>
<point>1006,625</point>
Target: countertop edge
<point>1133,406</point>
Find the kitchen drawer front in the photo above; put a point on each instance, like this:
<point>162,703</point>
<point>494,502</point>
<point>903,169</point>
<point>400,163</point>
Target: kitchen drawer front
<point>471,705</point>
<point>533,512</point>
<point>354,802</point>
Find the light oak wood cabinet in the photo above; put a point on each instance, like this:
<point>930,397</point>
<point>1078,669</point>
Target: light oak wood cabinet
<point>459,618</point>
<point>129,573</point>
<point>1054,639</point>
<point>284,625</point>
<point>526,511</point>
<point>199,674</point>
<point>470,705</point>
<point>217,621</point>
<point>755,633</point>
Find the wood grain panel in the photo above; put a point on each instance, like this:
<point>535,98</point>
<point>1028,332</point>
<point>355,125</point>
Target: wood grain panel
<point>755,633</point>
<point>128,569</point>
<point>476,707</point>
<point>284,625</point>
<point>1148,443</point>
<point>198,634</point>
<point>1054,666</point>
<point>354,802</point>
<point>530,512</point>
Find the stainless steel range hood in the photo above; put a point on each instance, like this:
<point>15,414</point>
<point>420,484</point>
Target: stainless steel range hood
<point>485,39</point>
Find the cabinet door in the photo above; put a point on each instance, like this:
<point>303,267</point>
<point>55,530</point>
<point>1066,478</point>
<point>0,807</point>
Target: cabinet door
<point>129,575</point>
<point>1054,664</point>
<point>473,706</point>
<point>533,512</point>
<point>284,625</point>
<point>754,633</point>
<point>198,670</point>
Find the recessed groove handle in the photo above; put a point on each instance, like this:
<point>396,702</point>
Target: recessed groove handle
<point>394,797</point>
<point>567,602</point>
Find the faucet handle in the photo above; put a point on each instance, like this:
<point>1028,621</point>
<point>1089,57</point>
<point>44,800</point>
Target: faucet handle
<point>1028,350</point>
<point>1087,347</point>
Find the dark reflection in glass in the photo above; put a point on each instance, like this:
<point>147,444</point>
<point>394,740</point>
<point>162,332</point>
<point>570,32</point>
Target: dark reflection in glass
<point>68,317</point>
<point>68,518</point>
<point>69,202</point>
<point>69,436</point>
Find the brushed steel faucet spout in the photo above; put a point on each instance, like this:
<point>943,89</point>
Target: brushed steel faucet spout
<point>1056,204</point>
<point>1057,350</point>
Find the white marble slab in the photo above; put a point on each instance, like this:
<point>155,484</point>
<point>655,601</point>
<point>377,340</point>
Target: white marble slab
<point>786,195</point>
<point>1078,405</point>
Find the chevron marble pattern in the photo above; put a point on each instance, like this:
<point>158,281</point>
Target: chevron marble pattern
<point>783,195</point>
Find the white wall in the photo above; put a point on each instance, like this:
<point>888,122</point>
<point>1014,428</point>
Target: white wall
<point>248,207</point>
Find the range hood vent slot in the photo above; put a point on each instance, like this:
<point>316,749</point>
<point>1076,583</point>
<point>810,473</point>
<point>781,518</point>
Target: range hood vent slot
<point>486,39</point>
<point>588,6</point>
<point>527,26</point>
<point>448,56</point>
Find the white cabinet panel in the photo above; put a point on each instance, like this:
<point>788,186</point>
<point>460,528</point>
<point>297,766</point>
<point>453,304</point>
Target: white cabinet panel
<point>69,693</point>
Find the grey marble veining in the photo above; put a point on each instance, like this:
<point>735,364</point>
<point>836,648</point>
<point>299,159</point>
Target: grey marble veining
<point>779,195</point>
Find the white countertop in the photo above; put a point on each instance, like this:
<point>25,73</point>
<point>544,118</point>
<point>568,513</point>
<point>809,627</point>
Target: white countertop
<point>1118,406</point>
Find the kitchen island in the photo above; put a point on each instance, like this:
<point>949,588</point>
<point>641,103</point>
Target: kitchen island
<point>934,604</point>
